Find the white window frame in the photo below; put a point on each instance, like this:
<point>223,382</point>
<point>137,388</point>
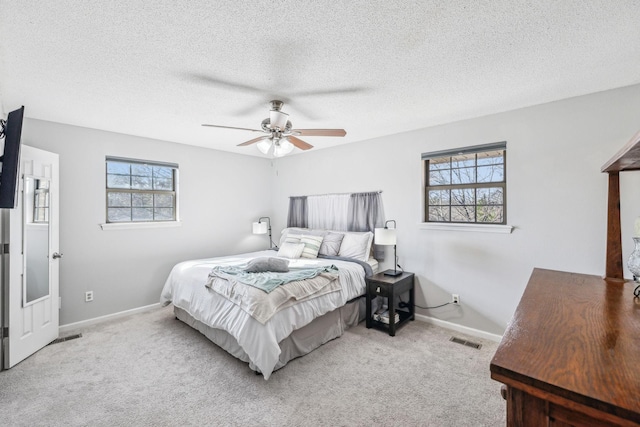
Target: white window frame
<point>175,222</point>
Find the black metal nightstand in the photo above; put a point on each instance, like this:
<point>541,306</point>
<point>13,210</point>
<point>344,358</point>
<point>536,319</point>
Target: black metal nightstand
<point>391,287</point>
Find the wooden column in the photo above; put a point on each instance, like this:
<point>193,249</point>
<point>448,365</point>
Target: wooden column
<point>614,240</point>
<point>627,159</point>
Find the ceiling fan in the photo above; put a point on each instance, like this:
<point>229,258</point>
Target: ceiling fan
<point>280,133</point>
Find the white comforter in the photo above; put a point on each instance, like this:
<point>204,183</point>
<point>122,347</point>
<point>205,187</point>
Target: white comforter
<point>185,288</point>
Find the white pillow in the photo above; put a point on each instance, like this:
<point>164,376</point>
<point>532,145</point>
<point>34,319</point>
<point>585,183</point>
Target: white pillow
<point>311,245</point>
<point>290,231</point>
<point>291,250</point>
<point>299,232</point>
<point>356,245</point>
<point>291,238</point>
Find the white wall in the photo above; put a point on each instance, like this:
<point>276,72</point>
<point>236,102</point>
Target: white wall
<point>126,269</point>
<point>556,197</point>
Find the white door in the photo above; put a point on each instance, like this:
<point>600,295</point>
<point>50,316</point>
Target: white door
<point>32,289</point>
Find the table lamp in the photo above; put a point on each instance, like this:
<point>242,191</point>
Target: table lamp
<point>387,236</point>
<point>264,227</point>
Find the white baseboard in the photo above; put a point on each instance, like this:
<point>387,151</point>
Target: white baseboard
<point>459,328</point>
<point>442,323</point>
<point>84,323</point>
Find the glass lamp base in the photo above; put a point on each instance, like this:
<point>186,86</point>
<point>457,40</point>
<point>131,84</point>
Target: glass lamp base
<point>633,262</point>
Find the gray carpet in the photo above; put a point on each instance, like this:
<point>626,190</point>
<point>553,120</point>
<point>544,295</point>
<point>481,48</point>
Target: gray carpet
<point>150,369</point>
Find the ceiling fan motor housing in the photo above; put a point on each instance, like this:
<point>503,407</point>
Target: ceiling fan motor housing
<point>281,124</point>
<point>278,119</point>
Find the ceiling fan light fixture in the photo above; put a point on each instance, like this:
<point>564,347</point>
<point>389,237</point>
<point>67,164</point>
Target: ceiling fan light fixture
<point>286,146</point>
<point>264,146</point>
<point>282,148</point>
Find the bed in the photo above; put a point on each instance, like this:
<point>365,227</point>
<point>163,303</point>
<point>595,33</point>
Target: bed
<point>216,305</point>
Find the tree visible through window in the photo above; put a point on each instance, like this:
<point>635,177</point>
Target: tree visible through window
<point>139,191</point>
<point>466,185</point>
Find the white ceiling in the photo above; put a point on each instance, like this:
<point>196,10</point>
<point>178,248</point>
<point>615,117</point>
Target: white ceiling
<point>149,68</point>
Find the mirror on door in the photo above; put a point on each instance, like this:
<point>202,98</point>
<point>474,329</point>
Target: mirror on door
<point>36,204</point>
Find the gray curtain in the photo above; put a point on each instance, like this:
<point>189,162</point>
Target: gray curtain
<point>366,213</point>
<point>297,212</point>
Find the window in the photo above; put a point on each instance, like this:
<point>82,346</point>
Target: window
<point>41,201</point>
<point>466,185</point>
<point>141,191</point>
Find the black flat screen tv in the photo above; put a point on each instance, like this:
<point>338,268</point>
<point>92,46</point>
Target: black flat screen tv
<point>11,160</point>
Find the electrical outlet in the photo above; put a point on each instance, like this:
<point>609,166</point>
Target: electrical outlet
<point>88,296</point>
<point>455,298</point>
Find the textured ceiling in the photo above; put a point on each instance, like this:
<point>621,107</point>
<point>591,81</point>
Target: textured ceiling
<point>160,69</point>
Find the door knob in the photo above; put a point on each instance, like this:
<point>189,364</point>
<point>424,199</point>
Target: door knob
<point>57,255</point>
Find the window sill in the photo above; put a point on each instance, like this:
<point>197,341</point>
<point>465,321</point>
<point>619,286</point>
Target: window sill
<point>481,228</point>
<point>139,225</point>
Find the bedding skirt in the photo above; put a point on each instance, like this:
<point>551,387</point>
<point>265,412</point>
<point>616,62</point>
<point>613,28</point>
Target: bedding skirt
<point>300,342</point>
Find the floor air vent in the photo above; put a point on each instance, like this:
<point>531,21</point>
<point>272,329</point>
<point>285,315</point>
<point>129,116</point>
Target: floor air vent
<point>465,342</point>
<point>63,339</point>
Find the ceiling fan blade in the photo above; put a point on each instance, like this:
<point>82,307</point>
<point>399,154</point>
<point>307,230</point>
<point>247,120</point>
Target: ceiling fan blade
<point>228,84</point>
<point>319,132</point>
<point>231,127</point>
<point>299,143</point>
<point>253,141</point>
<point>335,91</point>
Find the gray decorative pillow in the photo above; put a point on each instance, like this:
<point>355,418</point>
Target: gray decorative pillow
<point>331,244</point>
<point>260,265</point>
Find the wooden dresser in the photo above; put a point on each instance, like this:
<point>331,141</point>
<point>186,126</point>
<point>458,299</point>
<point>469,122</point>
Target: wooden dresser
<point>571,354</point>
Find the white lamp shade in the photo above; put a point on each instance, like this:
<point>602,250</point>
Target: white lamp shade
<point>385,236</point>
<point>259,228</point>
<point>282,148</point>
<point>278,119</point>
<point>264,146</point>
